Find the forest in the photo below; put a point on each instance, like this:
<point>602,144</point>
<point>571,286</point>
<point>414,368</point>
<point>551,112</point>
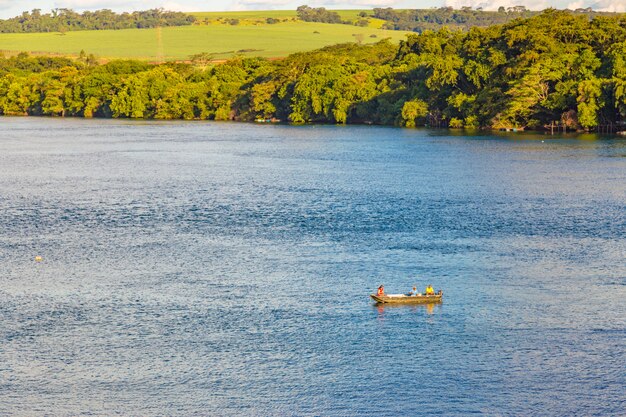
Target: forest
<point>528,73</point>
<point>419,20</point>
<point>63,20</point>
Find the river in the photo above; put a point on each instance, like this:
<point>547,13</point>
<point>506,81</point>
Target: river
<point>197,268</point>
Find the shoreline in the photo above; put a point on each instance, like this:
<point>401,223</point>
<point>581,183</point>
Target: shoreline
<point>494,131</point>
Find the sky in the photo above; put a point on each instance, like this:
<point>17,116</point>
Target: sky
<point>11,8</point>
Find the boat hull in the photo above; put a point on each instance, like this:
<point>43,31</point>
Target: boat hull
<point>407,299</point>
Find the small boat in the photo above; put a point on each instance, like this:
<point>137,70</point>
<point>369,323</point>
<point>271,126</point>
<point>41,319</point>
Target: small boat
<point>407,299</point>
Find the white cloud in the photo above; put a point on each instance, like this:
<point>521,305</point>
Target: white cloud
<point>576,5</point>
<point>7,4</point>
<point>599,5</point>
<point>290,4</point>
<point>361,3</point>
<point>259,4</point>
<point>618,6</point>
<point>178,7</point>
<point>495,4</point>
<point>97,4</point>
<point>126,5</point>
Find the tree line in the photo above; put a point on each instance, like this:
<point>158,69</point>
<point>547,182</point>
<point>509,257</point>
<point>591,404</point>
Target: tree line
<point>61,20</point>
<point>317,14</point>
<point>527,73</point>
<point>419,20</point>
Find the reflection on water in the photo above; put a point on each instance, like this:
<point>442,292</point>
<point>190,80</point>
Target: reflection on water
<point>428,308</point>
<point>224,269</point>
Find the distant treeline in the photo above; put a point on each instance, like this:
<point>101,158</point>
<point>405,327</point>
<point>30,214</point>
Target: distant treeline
<point>527,73</point>
<point>62,20</point>
<point>317,14</point>
<point>419,20</point>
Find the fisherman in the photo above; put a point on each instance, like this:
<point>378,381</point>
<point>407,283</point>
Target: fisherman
<point>381,291</point>
<point>430,290</point>
<point>413,291</point>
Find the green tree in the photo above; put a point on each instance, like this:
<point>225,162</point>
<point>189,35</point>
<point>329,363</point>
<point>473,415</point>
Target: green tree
<point>589,92</point>
<point>412,110</point>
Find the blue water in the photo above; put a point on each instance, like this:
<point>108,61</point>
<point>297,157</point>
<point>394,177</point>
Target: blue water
<point>224,269</point>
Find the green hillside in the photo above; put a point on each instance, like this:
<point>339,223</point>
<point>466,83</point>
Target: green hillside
<point>178,43</point>
<point>276,14</point>
<point>247,14</point>
<point>255,17</point>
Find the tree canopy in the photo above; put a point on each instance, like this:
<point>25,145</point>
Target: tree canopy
<point>317,14</point>
<point>419,20</point>
<point>62,20</point>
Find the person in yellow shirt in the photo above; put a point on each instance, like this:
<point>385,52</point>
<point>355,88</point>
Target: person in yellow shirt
<point>430,290</point>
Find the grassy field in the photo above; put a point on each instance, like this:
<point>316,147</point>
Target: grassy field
<point>248,14</point>
<point>178,43</point>
<point>259,17</point>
